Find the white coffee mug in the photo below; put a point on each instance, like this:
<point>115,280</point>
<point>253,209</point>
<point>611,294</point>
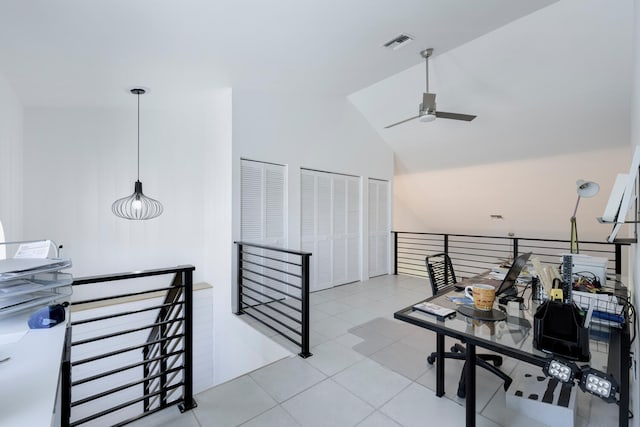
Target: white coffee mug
<point>483,295</point>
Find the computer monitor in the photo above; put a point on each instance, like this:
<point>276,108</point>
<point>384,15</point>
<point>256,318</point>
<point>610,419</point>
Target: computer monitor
<point>514,271</point>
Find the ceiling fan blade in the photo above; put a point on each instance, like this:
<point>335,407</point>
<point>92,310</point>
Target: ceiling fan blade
<point>455,116</point>
<point>401,122</point>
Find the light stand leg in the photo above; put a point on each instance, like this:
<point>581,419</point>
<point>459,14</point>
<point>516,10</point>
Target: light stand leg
<point>574,236</point>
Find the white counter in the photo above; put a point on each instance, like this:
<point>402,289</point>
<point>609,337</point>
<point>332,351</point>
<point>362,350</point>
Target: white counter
<point>29,379</point>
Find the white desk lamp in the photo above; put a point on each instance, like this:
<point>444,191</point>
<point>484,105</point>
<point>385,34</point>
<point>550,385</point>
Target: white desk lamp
<point>585,189</point>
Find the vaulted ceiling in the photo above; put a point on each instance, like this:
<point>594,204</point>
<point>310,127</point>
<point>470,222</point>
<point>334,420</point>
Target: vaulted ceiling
<point>555,82</point>
<point>84,53</point>
<point>544,77</point>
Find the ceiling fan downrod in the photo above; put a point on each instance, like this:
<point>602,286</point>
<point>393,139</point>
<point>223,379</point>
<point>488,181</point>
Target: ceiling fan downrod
<point>426,54</point>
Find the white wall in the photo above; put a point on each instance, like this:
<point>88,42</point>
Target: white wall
<point>552,99</point>
<point>81,160</point>
<point>78,161</point>
<point>536,196</point>
<point>238,348</point>
<point>300,131</point>
<point>306,130</point>
<point>11,116</point>
<point>635,142</point>
<point>85,159</point>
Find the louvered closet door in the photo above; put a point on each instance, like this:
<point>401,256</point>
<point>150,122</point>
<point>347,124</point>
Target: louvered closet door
<point>379,227</point>
<point>330,227</point>
<point>352,233</point>
<point>262,206</point>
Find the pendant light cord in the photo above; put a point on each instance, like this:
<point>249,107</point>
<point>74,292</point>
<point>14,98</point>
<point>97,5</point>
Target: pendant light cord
<point>138,136</point>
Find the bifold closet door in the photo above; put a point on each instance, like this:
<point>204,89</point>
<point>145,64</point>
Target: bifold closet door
<point>262,211</point>
<point>379,227</point>
<point>330,227</point>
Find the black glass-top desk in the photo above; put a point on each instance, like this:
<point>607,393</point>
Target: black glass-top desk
<point>513,337</point>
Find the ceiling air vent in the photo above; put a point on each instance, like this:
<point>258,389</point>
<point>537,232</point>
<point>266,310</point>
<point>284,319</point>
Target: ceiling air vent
<point>398,42</point>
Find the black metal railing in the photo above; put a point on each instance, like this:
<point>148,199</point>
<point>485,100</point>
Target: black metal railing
<point>273,288</point>
<point>132,357</point>
<point>472,254</point>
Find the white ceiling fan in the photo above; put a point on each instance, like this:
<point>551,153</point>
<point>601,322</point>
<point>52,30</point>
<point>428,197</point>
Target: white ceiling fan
<point>427,111</point>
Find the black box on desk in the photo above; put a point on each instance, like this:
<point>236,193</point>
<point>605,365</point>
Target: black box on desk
<point>558,328</point>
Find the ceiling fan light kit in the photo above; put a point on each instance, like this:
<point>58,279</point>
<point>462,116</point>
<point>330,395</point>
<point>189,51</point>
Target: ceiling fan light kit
<point>427,111</point>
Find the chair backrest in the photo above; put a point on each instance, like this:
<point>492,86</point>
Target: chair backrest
<point>440,271</point>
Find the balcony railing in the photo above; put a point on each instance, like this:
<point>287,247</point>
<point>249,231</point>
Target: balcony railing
<point>131,349</point>
<point>273,288</point>
<point>472,254</point>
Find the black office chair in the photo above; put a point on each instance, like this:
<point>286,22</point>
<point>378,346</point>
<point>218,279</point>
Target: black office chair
<point>441,275</point>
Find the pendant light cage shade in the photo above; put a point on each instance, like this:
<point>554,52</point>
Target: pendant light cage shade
<point>137,206</point>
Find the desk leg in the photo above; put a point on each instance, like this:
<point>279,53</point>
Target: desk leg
<point>440,365</point>
<point>470,385</point>
<point>625,365</point>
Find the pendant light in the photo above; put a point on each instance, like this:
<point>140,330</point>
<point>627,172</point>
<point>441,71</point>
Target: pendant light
<point>137,206</point>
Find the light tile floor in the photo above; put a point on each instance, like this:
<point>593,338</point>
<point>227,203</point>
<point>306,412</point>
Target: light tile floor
<point>367,370</point>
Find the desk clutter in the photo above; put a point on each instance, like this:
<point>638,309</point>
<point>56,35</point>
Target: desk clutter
<point>572,299</point>
<point>29,283</point>
<point>582,282</point>
<point>567,321</point>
